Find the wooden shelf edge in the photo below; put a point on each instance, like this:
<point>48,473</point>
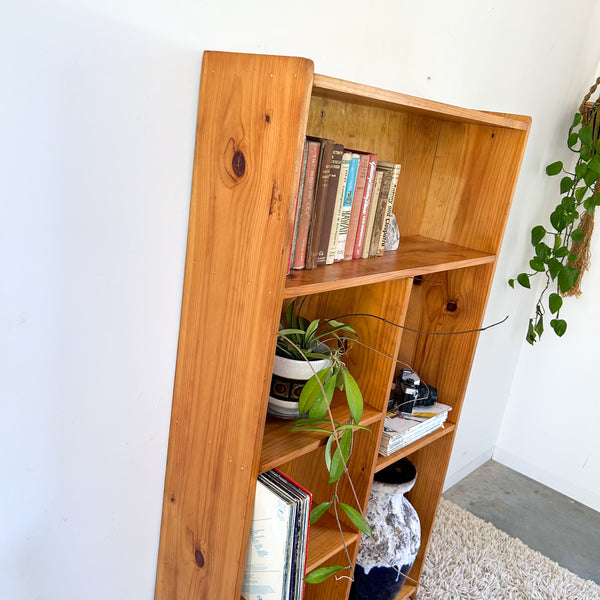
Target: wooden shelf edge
<point>280,445</point>
<point>332,87</point>
<point>416,255</point>
<point>384,461</point>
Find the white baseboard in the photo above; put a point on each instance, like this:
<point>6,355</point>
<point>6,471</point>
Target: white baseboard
<point>455,475</point>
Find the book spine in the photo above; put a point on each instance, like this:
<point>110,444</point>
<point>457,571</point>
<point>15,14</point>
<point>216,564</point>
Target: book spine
<point>346,209</point>
<point>308,196</point>
<point>314,234</point>
<point>380,210</point>
<point>359,189</point>
<point>327,216</point>
<point>389,207</point>
<point>339,197</point>
<point>364,207</point>
<point>372,212</point>
<point>298,204</point>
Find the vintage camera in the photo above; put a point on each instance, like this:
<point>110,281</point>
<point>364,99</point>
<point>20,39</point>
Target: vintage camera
<point>410,391</point>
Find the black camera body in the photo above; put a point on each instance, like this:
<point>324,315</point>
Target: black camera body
<point>410,392</point>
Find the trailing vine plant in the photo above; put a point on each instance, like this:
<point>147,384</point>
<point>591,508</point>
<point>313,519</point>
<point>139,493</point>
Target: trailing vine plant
<point>558,250</point>
<point>303,339</point>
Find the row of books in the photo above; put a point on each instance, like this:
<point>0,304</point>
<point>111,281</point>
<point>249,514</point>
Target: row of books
<point>401,429</point>
<point>343,206</point>
<point>276,557</point>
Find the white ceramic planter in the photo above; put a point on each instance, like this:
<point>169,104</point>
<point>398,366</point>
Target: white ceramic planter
<point>289,377</point>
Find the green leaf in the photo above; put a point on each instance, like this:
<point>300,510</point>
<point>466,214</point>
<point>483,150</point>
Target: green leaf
<point>590,204</point>
<point>558,219</point>
<point>594,164</point>
<point>577,235</point>
<point>559,326</point>
<point>585,135</point>
<point>319,408</point>
<point>312,390</point>
<point>523,279</point>
<point>576,120</point>
<point>289,314</point>
<point>531,335</point>
<point>557,242</point>
<point>580,170</point>
<point>322,573</point>
<point>353,396</point>
<point>567,278</point>
<point>336,469</point>
<point>537,265</point>
<point>352,427</point>
<point>357,519</point>
<point>572,258</point>
<point>565,184</point>
<point>572,140</point>
<point>543,251</point>
<point>590,177</point>
<point>555,168</point>
<point>561,252</point>
<point>580,193</point>
<point>539,326</point>
<point>555,302</point>
<point>537,235</point>
<point>310,331</point>
<point>511,282</point>
<point>289,332</point>
<point>554,267</point>
<point>318,511</point>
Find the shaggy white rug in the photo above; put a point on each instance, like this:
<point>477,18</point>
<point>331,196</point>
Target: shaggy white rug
<point>472,560</point>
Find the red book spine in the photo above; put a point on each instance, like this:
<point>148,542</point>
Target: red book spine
<point>364,210</point>
<point>308,197</point>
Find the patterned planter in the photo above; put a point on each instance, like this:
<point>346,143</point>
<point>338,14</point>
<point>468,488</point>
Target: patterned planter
<point>287,381</point>
<point>396,535</point>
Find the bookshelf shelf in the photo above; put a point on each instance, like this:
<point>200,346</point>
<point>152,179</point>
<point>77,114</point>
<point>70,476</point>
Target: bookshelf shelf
<point>416,255</point>
<point>459,172</point>
<point>281,446</point>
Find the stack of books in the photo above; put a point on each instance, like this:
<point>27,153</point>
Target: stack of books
<point>402,429</point>
<point>276,557</point>
<point>343,206</point>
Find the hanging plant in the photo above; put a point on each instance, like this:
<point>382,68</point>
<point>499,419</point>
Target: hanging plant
<point>561,250</point>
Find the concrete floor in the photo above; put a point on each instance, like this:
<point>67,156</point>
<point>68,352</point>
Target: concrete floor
<point>564,530</point>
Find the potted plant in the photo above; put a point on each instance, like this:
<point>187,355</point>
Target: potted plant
<point>310,342</point>
<point>304,349</point>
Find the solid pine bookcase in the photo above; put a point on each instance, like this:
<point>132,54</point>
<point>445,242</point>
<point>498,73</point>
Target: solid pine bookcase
<point>459,171</point>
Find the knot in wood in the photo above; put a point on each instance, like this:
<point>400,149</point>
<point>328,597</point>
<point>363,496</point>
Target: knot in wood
<point>238,163</point>
<point>199,557</point>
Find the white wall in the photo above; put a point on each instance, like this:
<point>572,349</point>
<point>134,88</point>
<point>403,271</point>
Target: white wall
<point>97,128</point>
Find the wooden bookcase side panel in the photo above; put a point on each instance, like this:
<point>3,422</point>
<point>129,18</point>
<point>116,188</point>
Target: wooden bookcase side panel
<point>249,133</point>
